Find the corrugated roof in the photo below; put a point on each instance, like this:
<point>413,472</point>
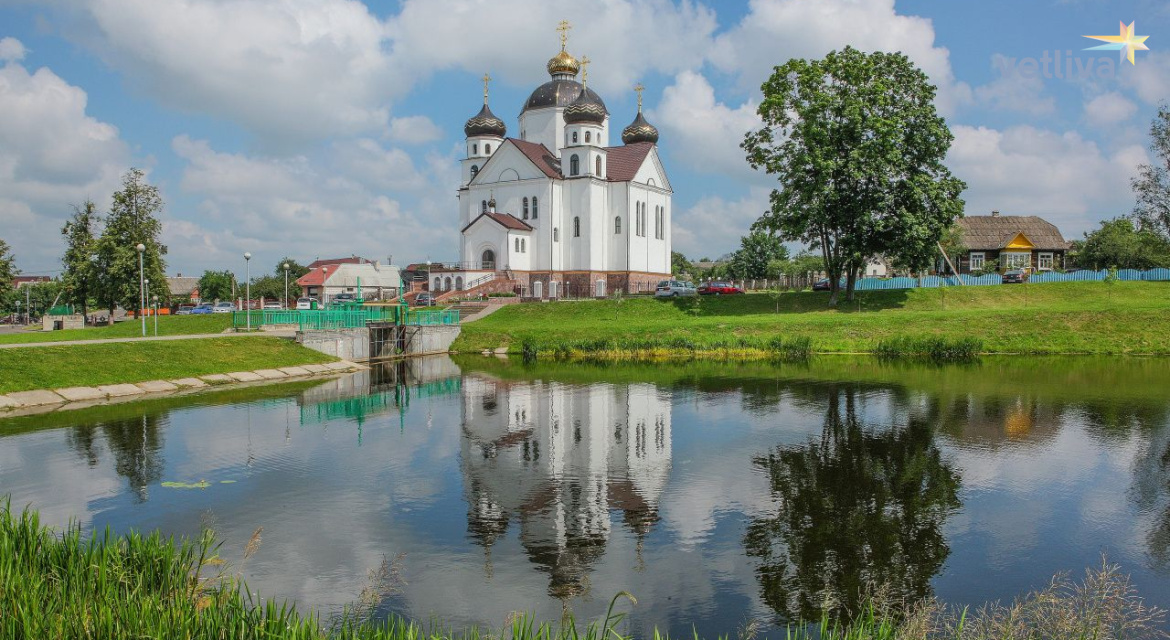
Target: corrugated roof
<point>317,264</point>
<point>507,220</point>
<point>622,163</point>
<point>540,156</point>
<point>182,285</point>
<point>982,233</point>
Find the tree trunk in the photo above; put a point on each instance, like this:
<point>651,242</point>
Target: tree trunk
<point>850,283</point>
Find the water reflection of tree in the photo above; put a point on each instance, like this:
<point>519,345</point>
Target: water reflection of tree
<point>136,444</point>
<point>857,507</point>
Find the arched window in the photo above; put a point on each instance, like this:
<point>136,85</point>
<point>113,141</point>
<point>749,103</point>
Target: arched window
<point>474,171</point>
<point>574,165</point>
<point>517,243</point>
<point>523,245</point>
<point>617,225</point>
<point>597,170</point>
<point>574,137</point>
<point>474,149</point>
<point>487,148</point>
<point>488,260</point>
<point>556,234</point>
<point>438,284</point>
<point>483,206</point>
<point>534,210</point>
<point>525,208</point>
<point>447,283</point>
<point>587,136</point>
<point>459,283</point>
<point>577,226</point>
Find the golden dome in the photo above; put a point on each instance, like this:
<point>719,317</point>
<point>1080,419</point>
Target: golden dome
<point>563,63</point>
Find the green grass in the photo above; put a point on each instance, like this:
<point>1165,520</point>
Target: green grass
<point>167,326</point>
<point>133,586</point>
<point>114,363</point>
<point>1057,318</point>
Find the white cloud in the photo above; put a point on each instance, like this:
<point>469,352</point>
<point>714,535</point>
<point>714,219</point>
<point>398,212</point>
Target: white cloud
<point>52,155</point>
<point>1108,109</point>
<point>306,206</point>
<point>714,225</point>
<point>281,68</point>
<point>1149,78</point>
<point>11,50</point>
<point>1062,177</point>
<point>702,132</point>
<point>1014,90</point>
<point>414,130</point>
<point>775,30</point>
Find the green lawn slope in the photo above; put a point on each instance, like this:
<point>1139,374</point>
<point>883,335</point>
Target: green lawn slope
<point>167,326</point>
<point>1057,318</point>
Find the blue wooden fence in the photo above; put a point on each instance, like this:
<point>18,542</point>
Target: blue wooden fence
<point>928,282</point>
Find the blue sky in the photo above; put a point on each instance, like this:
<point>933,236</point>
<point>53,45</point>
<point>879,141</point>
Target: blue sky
<point>332,127</point>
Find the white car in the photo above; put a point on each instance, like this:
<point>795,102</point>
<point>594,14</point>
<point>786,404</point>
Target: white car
<point>304,304</point>
<point>674,289</point>
<point>273,306</point>
<point>223,307</point>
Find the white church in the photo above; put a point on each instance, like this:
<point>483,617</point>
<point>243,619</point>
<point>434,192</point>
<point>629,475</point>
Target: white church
<point>558,211</point>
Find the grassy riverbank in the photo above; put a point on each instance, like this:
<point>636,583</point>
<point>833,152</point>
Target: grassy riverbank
<point>107,586</point>
<point>167,326</point>
<point>24,369</point>
<point>1058,318</point>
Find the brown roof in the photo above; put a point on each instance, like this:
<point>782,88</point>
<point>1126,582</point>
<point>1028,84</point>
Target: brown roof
<point>995,232</point>
<point>316,264</point>
<point>507,220</point>
<point>540,156</point>
<point>623,162</point>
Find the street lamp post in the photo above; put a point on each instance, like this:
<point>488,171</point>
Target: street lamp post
<point>324,291</point>
<point>248,287</point>
<point>141,287</point>
<point>156,315</point>
<point>18,311</point>
<point>286,283</point>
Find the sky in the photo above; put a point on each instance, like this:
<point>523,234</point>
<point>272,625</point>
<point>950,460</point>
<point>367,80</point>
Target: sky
<point>326,128</point>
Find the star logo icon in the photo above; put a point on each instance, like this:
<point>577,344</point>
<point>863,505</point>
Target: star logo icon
<point>1125,42</point>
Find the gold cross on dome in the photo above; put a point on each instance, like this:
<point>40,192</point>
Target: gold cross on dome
<point>585,70</point>
<point>564,27</point>
<point>486,80</point>
<point>638,88</point>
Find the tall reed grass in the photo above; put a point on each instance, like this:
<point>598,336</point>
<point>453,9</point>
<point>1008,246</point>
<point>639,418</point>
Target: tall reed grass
<point>932,349</point>
<point>63,585</point>
<point>780,348</point>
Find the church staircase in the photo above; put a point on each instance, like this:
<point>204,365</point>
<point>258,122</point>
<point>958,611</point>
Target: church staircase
<point>493,283</point>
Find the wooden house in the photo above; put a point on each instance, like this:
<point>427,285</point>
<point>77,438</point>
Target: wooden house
<point>1030,243</point>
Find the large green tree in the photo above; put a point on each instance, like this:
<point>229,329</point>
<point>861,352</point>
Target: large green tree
<point>8,268</point>
<point>757,250</point>
<point>295,270</point>
<point>216,285</point>
<point>1119,244</point>
<point>133,220</point>
<point>80,275</point>
<point>679,264</point>
<point>857,146</point>
<point>1152,184</point>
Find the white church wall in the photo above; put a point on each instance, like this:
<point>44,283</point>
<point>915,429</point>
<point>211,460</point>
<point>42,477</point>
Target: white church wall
<point>543,126</point>
<point>618,246</point>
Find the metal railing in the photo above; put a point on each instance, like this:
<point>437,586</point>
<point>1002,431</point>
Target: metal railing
<point>352,318</point>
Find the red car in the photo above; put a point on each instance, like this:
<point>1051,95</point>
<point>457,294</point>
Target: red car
<point>719,289</point>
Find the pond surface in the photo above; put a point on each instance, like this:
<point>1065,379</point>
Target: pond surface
<point>714,493</point>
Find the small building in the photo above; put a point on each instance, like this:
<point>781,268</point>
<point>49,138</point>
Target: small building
<point>1030,243</point>
<point>363,278</point>
<point>183,288</point>
<point>20,281</point>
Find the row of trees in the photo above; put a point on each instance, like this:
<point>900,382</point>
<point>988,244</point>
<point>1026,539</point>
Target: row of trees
<point>223,285</point>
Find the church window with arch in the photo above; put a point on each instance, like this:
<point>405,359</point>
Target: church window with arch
<point>474,171</point>
<point>574,137</point>
<point>617,225</point>
<point>474,149</point>
<point>556,234</point>
<point>597,167</point>
<point>574,165</point>
<point>525,208</point>
<point>483,206</point>
<point>587,136</point>
<point>534,209</point>
<point>577,226</point>
<point>487,148</point>
<point>517,243</point>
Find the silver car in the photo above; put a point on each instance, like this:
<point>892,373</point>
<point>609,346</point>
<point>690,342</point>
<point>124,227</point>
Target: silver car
<point>674,289</point>
<point>223,307</point>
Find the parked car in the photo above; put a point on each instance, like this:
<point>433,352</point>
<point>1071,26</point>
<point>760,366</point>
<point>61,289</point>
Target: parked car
<point>273,306</point>
<point>343,297</point>
<point>1015,276</point>
<point>223,307</point>
<point>821,285</point>
<point>719,289</point>
<point>202,309</point>
<point>424,299</point>
<point>674,289</point>
<point>304,304</point>
<point>184,309</point>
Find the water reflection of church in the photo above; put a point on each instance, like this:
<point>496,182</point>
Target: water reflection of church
<point>561,461</point>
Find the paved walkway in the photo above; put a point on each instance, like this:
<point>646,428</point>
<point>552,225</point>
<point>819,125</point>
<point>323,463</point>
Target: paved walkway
<point>194,336</point>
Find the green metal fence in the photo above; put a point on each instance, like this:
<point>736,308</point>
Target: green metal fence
<point>350,318</point>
